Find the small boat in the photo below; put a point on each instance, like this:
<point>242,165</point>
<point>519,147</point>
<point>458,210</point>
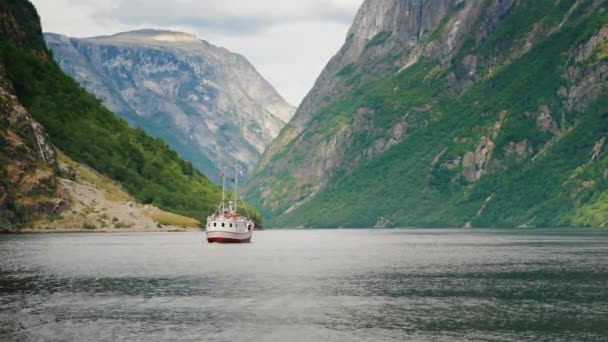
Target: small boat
<point>226,225</point>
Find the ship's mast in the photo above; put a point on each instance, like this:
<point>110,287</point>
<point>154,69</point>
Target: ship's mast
<point>236,187</point>
<point>223,189</point>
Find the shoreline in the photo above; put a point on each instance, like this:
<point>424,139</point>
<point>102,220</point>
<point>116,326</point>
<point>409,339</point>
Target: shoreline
<point>92,231</point>
<point>174,229</point>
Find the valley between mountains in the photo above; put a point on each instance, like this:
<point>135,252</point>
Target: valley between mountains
<point>438,113</point>
<point>208,104</point>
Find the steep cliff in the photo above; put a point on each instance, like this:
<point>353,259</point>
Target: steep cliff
<point>206,102</point>
<point>28,166</point>
<point>457,113</point>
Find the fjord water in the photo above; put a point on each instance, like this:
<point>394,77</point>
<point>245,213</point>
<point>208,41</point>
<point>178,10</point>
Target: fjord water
<point>335,285</point>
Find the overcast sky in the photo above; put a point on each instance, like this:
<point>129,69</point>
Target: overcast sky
<point>289,42</point>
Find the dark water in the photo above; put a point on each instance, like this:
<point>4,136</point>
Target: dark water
<point>419,285</point>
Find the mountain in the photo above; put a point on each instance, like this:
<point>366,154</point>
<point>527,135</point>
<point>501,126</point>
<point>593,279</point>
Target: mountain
<point>206,102</point>
<point>28,164</point>
<point>42,109</point>
<point>450,113</point>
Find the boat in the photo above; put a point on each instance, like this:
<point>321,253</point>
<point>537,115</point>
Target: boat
<point>226,225</point>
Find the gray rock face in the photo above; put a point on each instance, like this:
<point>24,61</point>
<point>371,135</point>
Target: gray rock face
<point>207,103</point>
<point>386,36</point>
<point>390,35</point>
<point>382,28</point>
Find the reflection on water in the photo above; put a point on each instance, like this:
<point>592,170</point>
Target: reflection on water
<point>368,285</point>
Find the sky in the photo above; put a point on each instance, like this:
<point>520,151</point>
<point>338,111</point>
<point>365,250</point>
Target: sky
<point>289,42</point>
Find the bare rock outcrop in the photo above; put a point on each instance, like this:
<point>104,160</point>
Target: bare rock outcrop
<point>522,149</point>
<point>546,123</point>
<point>28,164</point>
<point>586,80</point>
<point>474,164</point>
<point>597,150</point>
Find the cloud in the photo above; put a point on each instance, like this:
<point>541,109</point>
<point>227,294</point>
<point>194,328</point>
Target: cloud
<point>290,55</point>
<point>289,42</point>
<point>229,16</point>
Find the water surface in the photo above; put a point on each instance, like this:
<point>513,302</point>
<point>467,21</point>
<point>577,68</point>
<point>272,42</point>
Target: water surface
<point>336,285</point>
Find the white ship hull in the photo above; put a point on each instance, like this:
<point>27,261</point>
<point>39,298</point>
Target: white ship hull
<point>229,228</point>
<point>228,237</point>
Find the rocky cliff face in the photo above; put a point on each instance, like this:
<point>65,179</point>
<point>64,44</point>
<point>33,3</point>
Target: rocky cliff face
<point>207,103</point>
<point>28,166</point>
<point>387,36</point>
<point>382,29</point>
<point>431,111</point>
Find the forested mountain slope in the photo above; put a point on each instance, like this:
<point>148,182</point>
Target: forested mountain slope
<point>81,127</point>
<point>451,113</point>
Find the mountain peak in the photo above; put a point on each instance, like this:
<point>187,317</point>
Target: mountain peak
<point>151,35</point>
<point>208,103</point>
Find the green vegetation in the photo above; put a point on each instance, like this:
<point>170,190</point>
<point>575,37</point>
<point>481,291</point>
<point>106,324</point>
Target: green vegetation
<point>347,70</point>
<point>441,27</point>
<point>169,219</point>
<point>90,134</point>
<point>409,185</point>
<point>600,53</point>
<point>89,226</point>
<point>435,34</point>
<point>120,158</point>
<point>179,144</point>
<point>27,21</point>
<point>378,39</point>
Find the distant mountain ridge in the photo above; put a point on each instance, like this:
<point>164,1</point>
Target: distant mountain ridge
<point>206,102</point>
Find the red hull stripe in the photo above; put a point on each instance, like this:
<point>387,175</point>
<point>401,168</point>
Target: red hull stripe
<point>227,240</point>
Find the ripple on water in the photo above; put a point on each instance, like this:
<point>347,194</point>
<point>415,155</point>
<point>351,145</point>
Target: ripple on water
<point>419,285</point>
